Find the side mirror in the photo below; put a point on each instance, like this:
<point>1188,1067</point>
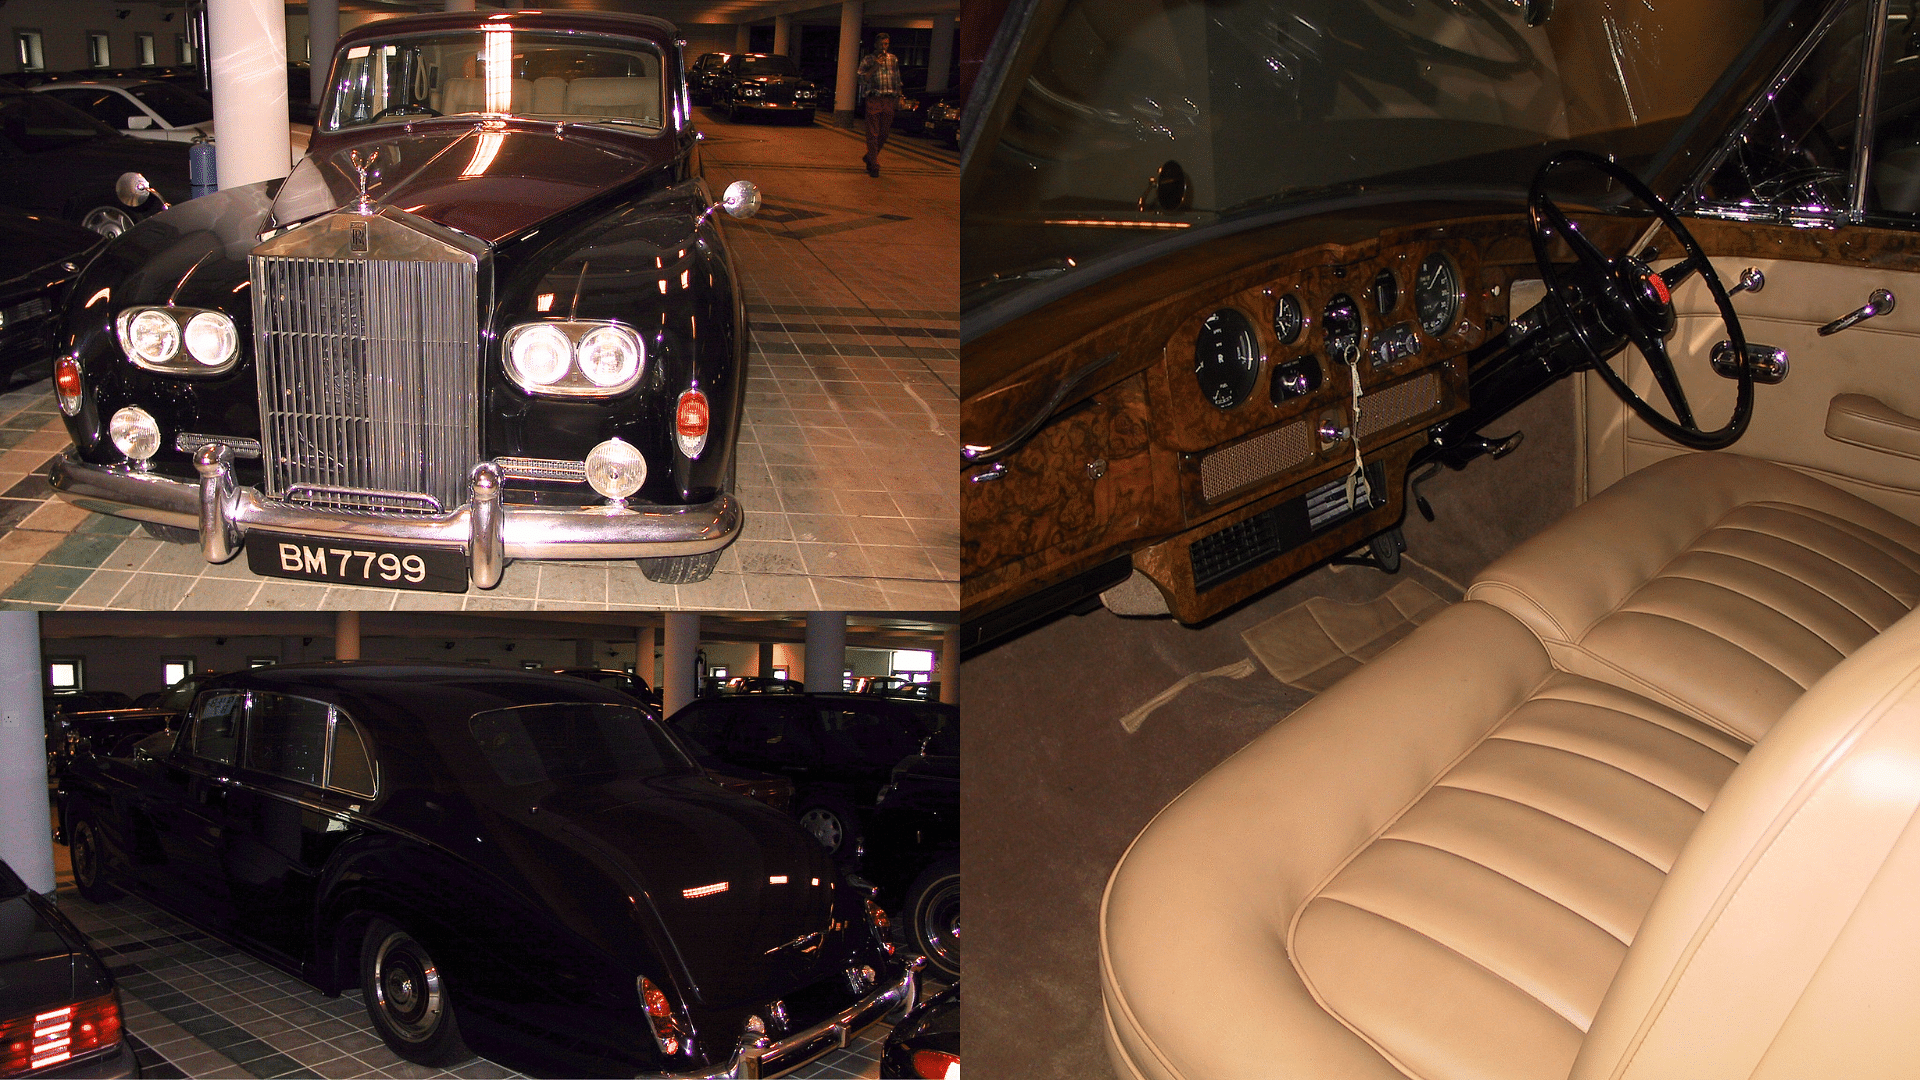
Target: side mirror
<point>139,123</point>
<point>132,189</point>
<point>741,199</point>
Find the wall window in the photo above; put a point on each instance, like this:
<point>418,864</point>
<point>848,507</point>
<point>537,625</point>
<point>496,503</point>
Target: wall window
<point>779,673</point>
<point>175,668</point>
<point>143,51</point>
<point>66,673</point>
<point>262,661</point>
<point>308,49</point>
<point>27,51</point>
<point>532,665</point>
<point>718,673</point>
<point>99,52</point>
<point>183,48</point>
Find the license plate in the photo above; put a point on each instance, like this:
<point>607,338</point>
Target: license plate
<point>354,562</point>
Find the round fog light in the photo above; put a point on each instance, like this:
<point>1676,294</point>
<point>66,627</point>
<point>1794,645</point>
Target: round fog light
<point>134,433</point>
<point>615,469</point>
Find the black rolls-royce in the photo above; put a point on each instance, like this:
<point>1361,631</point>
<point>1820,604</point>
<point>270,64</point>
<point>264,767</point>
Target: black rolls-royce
<point>489,316</point>
<point>520,863</point>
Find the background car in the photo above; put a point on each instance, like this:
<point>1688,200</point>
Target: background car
<point>925,1044</point>
<point>59,1009</point>
<point>911,848</point>
<point>56,161</point>
<point>701,75</point>
<point>764,83</point>
<point>142,108</point>
<point>516,862</point>
<point>838,749</point>
<point>604,427</point>
<point>39,258</point>
<point>624,681</point>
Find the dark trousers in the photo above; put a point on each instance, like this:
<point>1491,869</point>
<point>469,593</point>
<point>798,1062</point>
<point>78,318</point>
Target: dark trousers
<point>879,122</point>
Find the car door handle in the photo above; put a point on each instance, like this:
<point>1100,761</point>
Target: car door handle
<point>1861,420</point>
<point>1879,302</point>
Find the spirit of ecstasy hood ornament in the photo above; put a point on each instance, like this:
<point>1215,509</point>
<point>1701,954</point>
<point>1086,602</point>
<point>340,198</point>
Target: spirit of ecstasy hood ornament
<point>363,205</point>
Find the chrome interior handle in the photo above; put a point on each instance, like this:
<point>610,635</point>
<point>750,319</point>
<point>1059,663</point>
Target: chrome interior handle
<point>1751,280</point>
<point>1764,363</point>
<point>1879,302</point>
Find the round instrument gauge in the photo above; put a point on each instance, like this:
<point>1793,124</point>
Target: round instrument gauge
<point>1226,359</point>
<point>1342,323</point>
<point>1386,292</point>
<point>1286,319</point>
<point>1436,293</point>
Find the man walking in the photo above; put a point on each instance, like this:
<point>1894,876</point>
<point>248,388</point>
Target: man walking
<point>880,89</point>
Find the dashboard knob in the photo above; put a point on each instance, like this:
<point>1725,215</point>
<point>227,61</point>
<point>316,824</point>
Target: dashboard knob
<point>1332,431</point>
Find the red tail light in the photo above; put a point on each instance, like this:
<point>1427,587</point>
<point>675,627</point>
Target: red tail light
<point>36,1041</point>
<point>668,1032</point>
<point>690,423</point>
<point>66,384</point>
<point>936,1065</point>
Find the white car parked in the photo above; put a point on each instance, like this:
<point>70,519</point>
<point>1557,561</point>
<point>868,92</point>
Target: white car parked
<point>151,110</point>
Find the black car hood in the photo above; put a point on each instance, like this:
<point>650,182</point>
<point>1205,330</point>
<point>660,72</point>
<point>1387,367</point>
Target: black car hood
<point>494,183</point>
<point>36,960</point>
<point>709,863</point>
<point>34,241</point>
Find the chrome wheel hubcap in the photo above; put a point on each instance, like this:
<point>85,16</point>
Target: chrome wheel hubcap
<point>825,826</point>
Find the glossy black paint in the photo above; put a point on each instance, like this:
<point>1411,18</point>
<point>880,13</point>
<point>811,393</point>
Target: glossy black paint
<point>779,93</point>
<point>45,963</point>
<point>915,821</point>
<point>934,1024</point>
<point>543,903</point>
<point>68,181</point>
<point>600,221</point>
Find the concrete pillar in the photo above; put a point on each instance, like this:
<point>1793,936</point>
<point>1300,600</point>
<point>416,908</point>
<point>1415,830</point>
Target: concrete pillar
<point>323,29</point>
<point>939,59</point>
<point>826,649</point>
<point>643,656</point>
<point>845,85</point>
<point>26,841</point>
<point>782,35</point>
<point>947,670</point>
<point>247,57</point>
<point>346,635</point>
<point>683,641</point>
<point>742,37</point>
<point>766,660</point>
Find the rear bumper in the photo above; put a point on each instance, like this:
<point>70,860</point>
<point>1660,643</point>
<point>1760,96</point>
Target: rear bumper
<point>762,1057</point>
<point>488,530</point>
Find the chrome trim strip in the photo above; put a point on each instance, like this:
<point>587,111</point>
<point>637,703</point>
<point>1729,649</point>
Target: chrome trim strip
<point>893,1001</point>
<point>527,468</point>
<point>488,529</point>
<point>398,501</point>
<point>188,442</point>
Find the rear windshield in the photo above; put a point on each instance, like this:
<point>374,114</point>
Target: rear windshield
<point>574,742</point>
<point>176,106</point>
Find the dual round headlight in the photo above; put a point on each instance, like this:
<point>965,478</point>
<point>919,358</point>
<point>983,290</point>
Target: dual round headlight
<point>575,358</point>
<point>153,337</point>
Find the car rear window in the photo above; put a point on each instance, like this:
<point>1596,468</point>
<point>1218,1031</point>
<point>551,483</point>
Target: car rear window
<point>352,766</point>
<point>287,737</point>
<point>574,742</point>
<point>177,107</point>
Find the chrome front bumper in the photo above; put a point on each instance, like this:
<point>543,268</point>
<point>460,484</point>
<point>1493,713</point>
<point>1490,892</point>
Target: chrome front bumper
<point>762,1057</point>
<point>488,530</point>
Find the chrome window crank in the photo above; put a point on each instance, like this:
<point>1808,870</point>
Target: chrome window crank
<point>1751,280</point>
<point>1879,302</point>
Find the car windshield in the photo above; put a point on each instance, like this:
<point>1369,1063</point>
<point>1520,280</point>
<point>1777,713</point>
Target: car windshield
<point>36,122</point>
<point>177,107</point>
<point>1132,120</point>
<point>546,75</point>
<point>768,65</point>
<point>574,742</point>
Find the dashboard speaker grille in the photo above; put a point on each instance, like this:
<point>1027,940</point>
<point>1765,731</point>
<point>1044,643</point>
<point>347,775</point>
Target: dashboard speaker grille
<point>1399,403</point>
<point>1256,459</point>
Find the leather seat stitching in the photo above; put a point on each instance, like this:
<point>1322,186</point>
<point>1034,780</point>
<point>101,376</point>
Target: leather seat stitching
<point>1557,817</point>
<point>1810,586</point>
<point>1826,558</point>
<point>1421,933</point>
<point>1629,680</point>
<point>1721,637</point>
<point>1839,650</point>
<point>1649,781</point>
<point>1571,910</point>
<point>1886,545</point>
<point>1480,587</point>
<point>1684,732</point>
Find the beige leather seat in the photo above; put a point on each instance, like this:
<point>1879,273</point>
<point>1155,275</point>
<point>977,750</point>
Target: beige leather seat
<point>464,95</point>
<point>549,95</point>
<point>1467,861</point>
<point>636,97</point>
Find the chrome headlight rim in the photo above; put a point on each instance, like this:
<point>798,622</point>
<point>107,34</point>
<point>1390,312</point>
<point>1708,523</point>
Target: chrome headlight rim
<point>577,381</point>
<point>175,360</point>
<point>135,433</point>
<point>223,351</point>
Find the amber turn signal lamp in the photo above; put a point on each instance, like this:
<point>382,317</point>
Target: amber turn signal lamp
<point>66,384</point>
<point>690,423</point>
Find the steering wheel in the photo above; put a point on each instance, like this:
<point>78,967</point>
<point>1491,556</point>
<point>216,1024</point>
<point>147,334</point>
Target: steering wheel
<point>410,108</point>
<point>1631,302</point>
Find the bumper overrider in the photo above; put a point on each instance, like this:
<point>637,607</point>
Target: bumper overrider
<point>488,530</point>
<point>760,1056</point>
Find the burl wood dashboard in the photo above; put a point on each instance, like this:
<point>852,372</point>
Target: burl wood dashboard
<point>1213,442</point>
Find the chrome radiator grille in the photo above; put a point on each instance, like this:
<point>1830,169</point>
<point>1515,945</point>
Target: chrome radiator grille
<point>369,388</point>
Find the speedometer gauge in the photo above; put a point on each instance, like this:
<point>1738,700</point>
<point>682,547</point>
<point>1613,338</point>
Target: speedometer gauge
<point>1226,359</point>
<point>1436,293</point>
<point>1342,323</point>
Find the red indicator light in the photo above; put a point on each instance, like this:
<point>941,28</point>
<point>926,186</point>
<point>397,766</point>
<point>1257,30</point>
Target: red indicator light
<point>935,1064</point>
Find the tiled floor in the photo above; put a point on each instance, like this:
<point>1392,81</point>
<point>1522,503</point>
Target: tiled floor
<point>847,453</point>
<point>197,1007</point>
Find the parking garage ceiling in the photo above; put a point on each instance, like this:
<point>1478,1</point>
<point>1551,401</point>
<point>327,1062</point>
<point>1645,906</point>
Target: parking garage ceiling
<point>891,630</point>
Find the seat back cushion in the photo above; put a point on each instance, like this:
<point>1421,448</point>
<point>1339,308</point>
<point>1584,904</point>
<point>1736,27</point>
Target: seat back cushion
<point>1433,869</point>
<point>464,95</point>
<point>1785,942</point>
<point>549,95</point>
<point>1720,585</point>
<point>637,97</point>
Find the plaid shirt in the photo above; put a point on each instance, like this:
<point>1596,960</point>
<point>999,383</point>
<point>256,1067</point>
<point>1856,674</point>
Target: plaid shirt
<point>880,74</point>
